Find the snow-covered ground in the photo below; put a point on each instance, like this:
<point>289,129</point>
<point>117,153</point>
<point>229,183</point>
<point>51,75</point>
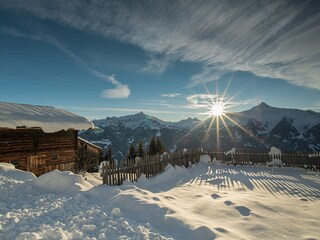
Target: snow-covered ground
<point>206,201</point>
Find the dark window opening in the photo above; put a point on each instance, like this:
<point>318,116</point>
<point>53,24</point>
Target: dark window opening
<point>14,162</point>
<point>54,157</point>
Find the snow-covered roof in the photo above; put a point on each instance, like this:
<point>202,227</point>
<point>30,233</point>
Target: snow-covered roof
<point>89,143</point>
<point>49,119</point>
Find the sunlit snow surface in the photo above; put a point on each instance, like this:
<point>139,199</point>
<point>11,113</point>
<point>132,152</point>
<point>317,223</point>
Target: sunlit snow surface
<point>207,201</point>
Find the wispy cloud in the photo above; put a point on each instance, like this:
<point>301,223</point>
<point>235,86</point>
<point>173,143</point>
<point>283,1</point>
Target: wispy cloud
<point>207,74</point>
<point>119,91</point>
<point>205,101</point>
<point>171,105</point>
<point>198,102</point>
<point>15,33</point>
<point>171,95</point>
<point>156,65</point>
<point>276,38</point>
<point>201,99</point>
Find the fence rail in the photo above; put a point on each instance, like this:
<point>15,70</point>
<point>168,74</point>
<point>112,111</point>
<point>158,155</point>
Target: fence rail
<point>150,166</point>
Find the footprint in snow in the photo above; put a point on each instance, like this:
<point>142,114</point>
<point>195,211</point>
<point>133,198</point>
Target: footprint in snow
<point>244,211</point>
<point>142,192</point>
<point>215,196</point>
<point>228,203</point>
<point>156,199</point>
<point>169,197</point>
<point>222,230</point>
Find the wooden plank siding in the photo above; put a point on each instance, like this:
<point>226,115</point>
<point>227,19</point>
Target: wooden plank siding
<point>89,156</point>
<point>31,149</point>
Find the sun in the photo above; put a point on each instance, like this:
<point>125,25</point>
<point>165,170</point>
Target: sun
<point>217,109</point>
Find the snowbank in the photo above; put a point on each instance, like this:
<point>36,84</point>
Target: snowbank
<point>231,152</point>
<point>61,182</point>
<point>7,165</point>
<point>275,162</point>
<point>94,179</point>
<point>170,173</point>
<point>49,119</point>
<point>8,170</point>
<point>102,164</point>
<point>201,202</point>
<point>205,159</point>
<point>164,155</point>
<point>275,155</point>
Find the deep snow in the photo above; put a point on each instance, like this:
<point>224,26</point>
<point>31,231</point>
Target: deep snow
<point>206,201</point>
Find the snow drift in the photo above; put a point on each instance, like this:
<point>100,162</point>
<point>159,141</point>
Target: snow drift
<point>61,182</point>
<point>205,201</point>
<point>9,170</point>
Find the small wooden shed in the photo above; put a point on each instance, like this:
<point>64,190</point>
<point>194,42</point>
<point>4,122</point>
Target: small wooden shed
<point>89,155</point>
<point>39,139</point>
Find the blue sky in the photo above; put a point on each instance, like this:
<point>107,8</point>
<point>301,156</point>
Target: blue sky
<point>112,58</point>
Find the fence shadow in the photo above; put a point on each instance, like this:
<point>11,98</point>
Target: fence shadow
<point>276,181</point>
<point>238,172</point>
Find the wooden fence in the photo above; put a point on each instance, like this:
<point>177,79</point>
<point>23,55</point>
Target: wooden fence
<point>303,160</point>
<point>150,166</point>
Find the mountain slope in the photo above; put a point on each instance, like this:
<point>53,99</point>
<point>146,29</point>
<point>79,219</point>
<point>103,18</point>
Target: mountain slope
<point>271,116</point>
<point>258,129</point>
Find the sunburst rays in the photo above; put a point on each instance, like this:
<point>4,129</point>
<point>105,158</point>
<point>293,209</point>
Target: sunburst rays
<point>217,116</point>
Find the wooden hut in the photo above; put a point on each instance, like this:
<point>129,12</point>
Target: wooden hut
<point>89,155</point>
<point>39,138</point>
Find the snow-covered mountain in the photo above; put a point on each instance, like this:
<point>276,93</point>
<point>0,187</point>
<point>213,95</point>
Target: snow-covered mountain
<point>271,116</point>
<point>132,122</point>
<point>142,120</point>
<point>255,129</point>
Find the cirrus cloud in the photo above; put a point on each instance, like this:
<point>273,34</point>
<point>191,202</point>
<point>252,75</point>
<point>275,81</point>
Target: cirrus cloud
<point>171,95</point>
<point>276,38</point>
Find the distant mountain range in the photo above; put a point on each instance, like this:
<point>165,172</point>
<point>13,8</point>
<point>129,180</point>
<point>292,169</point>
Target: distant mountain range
<point>256,129</point>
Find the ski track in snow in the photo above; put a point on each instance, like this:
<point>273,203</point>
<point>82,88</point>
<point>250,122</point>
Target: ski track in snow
<point>207,201</point>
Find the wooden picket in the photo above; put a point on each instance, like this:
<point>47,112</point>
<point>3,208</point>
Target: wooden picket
<point>302,160</point>
<point>150,166</point>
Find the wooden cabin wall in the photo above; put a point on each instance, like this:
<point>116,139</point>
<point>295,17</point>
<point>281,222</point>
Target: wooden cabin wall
<point>38,152</point>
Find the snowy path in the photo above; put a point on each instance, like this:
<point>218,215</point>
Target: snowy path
<point>208,201</point>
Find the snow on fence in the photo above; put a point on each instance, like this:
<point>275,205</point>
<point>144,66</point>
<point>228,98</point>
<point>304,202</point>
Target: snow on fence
<point>150,166</point>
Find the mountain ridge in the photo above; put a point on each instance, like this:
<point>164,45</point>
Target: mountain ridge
<point>257,128</point>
